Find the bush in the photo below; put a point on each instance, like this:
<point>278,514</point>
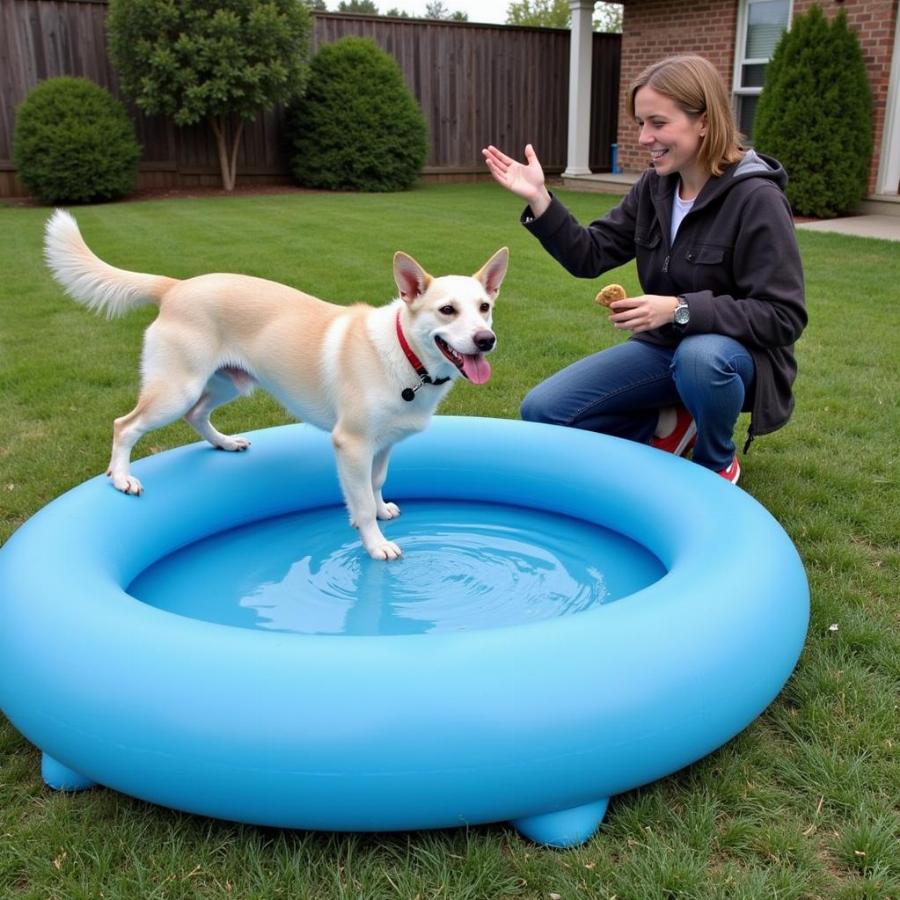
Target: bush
<point>74,143</point>
<point>815,115</point>
<point>357,127</point>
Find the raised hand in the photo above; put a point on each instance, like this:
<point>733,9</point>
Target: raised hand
<point>526,180</point>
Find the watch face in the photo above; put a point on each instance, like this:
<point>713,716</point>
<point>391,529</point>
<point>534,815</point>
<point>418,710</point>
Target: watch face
<point>682,315</point>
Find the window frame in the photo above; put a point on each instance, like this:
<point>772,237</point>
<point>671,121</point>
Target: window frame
<point>738,90</point>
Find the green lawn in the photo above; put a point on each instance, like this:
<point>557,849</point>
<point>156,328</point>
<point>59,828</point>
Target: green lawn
<point>803,803</point>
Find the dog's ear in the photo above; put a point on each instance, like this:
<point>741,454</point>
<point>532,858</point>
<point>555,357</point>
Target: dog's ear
<point>412,280</point>
<point>492,273</point>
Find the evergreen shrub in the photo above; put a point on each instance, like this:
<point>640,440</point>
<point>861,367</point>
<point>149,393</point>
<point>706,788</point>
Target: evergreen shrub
<point>815,115</point>
<point>357,127</point>
<point>74,143</point>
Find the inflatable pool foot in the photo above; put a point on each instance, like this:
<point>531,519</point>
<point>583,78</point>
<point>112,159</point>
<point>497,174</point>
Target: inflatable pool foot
<point>565,828</point>
<point>62,778</point>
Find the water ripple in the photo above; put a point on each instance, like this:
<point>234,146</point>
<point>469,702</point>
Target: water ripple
<point>465,566</point>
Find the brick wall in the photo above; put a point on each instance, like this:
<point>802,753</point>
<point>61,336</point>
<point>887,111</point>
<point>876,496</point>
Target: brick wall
<point>657,28</point>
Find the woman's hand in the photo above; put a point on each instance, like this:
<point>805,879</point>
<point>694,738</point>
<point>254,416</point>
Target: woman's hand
<point>642,313</point>
<point>524,180</point>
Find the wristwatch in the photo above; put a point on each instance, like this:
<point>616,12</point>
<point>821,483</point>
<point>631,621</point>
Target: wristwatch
<point>682,314</point>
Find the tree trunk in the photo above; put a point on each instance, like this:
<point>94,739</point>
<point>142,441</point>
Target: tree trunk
<point>228,141</point>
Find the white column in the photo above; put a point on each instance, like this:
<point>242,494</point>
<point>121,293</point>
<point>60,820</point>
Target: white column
<point>889,163</point>
<point>580,87</point>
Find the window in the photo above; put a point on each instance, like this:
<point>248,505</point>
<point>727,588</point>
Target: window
<point>760,26</point>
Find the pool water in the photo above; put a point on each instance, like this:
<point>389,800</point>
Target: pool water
<point>465,566</point>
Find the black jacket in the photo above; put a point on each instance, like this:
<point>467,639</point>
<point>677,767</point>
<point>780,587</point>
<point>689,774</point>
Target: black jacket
<point>735,260</point>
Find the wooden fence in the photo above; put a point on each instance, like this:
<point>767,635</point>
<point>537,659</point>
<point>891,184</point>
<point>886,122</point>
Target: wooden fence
<point>476,84</point>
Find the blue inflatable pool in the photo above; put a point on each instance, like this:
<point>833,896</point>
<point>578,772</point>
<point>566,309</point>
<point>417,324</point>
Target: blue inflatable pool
<point>574,616</point>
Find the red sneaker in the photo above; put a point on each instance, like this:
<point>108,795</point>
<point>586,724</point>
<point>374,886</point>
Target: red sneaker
<point>681,438</point>
<point>733,472</point>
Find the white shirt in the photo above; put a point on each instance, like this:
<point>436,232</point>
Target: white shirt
<point>680,208</point>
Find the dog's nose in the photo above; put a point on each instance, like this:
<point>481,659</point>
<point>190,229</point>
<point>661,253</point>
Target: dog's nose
<point>484,340</point>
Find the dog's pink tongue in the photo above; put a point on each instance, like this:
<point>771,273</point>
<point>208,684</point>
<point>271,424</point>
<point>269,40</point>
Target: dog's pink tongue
<point>477,368</point>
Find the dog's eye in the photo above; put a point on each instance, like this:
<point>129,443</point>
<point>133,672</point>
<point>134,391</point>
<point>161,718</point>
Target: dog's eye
<point>485,307</point>
<point>447,310</point>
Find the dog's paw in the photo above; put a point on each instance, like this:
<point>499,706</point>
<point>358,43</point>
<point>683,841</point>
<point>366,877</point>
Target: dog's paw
<point>127,484</point>
<point>388,511</point>
<point>384,550</point>
<point>233,444</point>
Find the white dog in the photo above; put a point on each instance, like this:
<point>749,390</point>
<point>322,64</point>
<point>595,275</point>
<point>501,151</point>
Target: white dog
<point>370,376</point>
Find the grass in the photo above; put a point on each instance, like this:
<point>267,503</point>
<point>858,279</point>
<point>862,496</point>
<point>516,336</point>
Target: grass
<point>802,804</point>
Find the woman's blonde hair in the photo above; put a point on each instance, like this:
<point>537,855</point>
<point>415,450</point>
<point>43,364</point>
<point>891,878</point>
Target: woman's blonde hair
<point>695,86</point>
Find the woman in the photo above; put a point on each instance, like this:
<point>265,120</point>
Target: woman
<point>713,237</point>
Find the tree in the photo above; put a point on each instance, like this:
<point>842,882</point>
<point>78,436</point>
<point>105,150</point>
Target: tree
<point>437,10</point>
<point>608,18</point>
<point>815,114</point>
<point>543,13</point>
<point>557,14</point>
<point>222,62</point>
<point>365,7</point>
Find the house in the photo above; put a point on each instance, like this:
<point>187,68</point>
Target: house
<point>738,37</point>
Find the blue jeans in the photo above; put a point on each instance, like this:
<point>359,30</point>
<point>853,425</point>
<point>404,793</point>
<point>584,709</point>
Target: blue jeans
<point>620,391</point>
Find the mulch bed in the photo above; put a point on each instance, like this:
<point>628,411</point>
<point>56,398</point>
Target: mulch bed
<point>185,193</point>
<point>240,190</point>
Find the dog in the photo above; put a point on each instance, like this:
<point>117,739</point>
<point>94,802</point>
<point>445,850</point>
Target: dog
<point>370,376</point>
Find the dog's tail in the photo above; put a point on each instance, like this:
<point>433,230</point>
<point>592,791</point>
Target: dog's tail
<point>89,280</point>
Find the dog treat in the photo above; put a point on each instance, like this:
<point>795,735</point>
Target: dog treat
<point>609,293</point>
